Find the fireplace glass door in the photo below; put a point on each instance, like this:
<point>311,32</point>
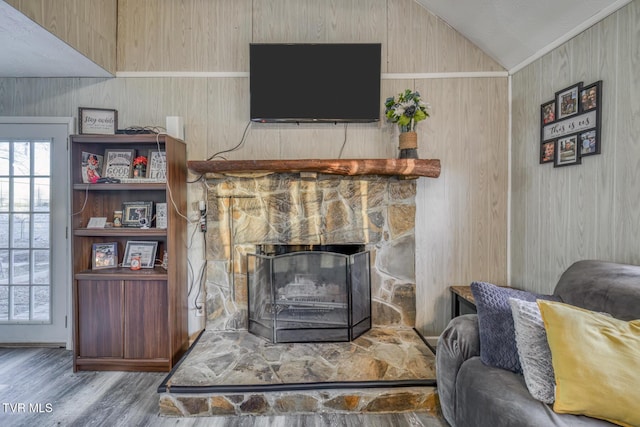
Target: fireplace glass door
<point>309,296</point>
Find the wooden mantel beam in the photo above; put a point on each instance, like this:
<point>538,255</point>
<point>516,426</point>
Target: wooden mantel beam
<point>351,167</point>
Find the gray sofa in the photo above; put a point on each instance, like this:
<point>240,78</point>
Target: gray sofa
<point>473,394</point>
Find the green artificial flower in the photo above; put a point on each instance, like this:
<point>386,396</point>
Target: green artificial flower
<point>407,110</point>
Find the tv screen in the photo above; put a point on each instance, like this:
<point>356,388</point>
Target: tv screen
<point>315,82</point>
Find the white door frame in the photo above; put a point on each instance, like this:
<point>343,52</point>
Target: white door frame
<point>70,122</point>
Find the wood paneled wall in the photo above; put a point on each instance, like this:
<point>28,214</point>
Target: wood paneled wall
<point>462,228</point>
<point>587,211</point>
<point>89,26</point>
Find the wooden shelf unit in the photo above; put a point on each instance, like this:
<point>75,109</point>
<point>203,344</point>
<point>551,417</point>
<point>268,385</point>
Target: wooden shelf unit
<point>124,319</point>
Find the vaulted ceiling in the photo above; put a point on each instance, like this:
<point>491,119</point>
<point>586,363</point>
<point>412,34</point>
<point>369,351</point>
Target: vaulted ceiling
<point>513,32</point>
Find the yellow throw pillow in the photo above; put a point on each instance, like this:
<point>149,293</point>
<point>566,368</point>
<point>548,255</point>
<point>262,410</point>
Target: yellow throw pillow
<point>596,360</point>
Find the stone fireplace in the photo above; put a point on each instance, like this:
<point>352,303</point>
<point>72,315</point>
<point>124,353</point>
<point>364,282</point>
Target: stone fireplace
<point>230,371</point>
<point>309,293</point>
<point>248,214</point>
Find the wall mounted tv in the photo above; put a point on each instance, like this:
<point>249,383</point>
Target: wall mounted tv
<point>315,82</point>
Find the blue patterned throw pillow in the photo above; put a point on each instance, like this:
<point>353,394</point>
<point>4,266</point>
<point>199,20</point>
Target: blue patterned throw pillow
<point>497,333</point>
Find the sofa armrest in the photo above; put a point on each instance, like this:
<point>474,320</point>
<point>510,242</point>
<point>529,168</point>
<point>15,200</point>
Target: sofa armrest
<point>459,341</point>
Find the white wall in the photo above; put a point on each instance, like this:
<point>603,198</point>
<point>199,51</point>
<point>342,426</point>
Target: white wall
<point>587,211</point>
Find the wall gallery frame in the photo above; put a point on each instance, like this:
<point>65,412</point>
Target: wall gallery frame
<point>570,125</point>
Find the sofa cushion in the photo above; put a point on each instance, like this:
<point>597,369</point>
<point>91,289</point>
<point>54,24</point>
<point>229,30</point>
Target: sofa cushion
<point>533,350</point>
<point>595,359</point>
<point>497,335</point>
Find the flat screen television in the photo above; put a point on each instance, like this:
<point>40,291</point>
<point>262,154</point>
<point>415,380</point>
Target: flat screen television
<point>315,82</point>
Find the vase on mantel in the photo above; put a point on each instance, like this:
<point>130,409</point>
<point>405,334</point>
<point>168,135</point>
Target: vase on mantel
<point>408,149</point>
<point>408,145</point>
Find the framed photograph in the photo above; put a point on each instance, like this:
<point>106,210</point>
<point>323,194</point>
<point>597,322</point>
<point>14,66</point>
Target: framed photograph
<point>567,151</point>
<point>104,255</point>
<point>97,121</point>
<point>161,215</point>
<point>157,165</point>
<point>91,167</point>
<point>567,101</point>
<point>547,152</point>
<point>589,143</point>
<point>137,214</point>
<point>590,96</point>
<point>118,163</point>
<point>548,112</point>
<point>144,249</point>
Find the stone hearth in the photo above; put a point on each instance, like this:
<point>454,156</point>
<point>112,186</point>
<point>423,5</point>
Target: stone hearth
<point>236,373</point>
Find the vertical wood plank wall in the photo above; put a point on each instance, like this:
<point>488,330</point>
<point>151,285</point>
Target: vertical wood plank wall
<point>587,211</point>
<point>461,232</point>
<point>89,26</point>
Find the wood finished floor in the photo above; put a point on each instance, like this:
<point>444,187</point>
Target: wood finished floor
<point>44,377</point>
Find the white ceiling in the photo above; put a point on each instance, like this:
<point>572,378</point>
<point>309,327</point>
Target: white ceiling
<point>513,32</point>
<point>516,32</point>
<point>28,50</point>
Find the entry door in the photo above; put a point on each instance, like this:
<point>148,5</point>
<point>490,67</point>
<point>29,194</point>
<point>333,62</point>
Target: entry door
<point>34,252</point>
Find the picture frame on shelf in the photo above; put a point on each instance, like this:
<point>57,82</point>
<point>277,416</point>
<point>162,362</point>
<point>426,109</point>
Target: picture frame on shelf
<point>137,214</point>
<point>91,168</point>
<point>157,165</point>
<point>97,222</point>
<point>161,215</point>
<point>104,255</point>
<point>547,152</point>
<point>567,101</point>
<point>567,151</point>
<point>97,121</point>
<point>146,250</point>
<point>118,163</point>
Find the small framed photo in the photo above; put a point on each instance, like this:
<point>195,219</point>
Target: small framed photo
<point>91,167</point>
<point>137,214</point>
<point>161,215</point>
<point>547,152</point>
<point>144,249</point>
<point>567,101</point>
<point>104,255</point>
<point>589,143</point>
<point>548,112</point>
<point>590,96</point>
<point>567,151</point>
<point>118,163</point>
<point>157,165</point>
<point>97,121</point>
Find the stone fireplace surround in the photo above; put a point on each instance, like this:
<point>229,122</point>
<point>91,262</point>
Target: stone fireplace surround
<point>231,372</point>
<point>376,211</point>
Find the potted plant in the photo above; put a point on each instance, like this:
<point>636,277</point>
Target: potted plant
<point>406,110</point>
<point>139,167</point>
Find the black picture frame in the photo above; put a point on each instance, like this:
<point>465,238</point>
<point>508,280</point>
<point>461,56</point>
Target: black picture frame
<point>590,96</point>
<point>97,121</point>
<point>104,255</point>
<point>567,101</point>
<point>548,112</point>
<point>589,142</point>
<point>567,151</point>
<point>137,214</point>
<point>548,152</point>
<point>145,249</point>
